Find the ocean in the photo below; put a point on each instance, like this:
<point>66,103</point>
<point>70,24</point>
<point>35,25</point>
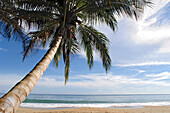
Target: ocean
<point>60,101</point>
<point>101,101</point>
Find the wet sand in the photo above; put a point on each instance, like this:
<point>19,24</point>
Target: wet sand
<point>148,109</point>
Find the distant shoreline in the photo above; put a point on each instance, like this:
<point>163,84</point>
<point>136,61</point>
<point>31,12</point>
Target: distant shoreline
<point>60,108</point>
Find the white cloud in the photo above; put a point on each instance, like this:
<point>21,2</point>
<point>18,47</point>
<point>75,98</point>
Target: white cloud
<point>162,78</point>
<point>99,82</point>
<point>8,81</point>
<point>141,71</point>
<point>1,49</point>
<point>96,55</point>
<point>131,41</point>
<point>143,64</point>
<point>49,82</point>
<point>140,43</point>
<point>159,75</point>
<point>157,5</point>
<point>151,35</point>
<point>109,81</point>
<point>7,77</point>
<point>165,48</point>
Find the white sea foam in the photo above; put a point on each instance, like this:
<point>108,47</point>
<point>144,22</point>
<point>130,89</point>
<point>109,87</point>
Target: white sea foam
<point>103,105</point>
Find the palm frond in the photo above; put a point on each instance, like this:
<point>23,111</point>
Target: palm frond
<point>67,47</point>
<point>87,43</point>
<point>131,8</point>
<point>101,42</point>
<point>98,41</point>
<point>28,46</point>
<point>67,62</point>
<point>58,54</point>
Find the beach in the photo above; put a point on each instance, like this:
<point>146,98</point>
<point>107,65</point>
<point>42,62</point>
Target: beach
<point>118,103</point>
<point>147,109</point>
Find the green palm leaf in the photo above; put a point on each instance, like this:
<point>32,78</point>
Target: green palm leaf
<point>97,41</point>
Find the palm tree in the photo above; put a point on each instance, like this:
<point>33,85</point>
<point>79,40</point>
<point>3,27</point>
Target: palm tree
<point>67,25</point>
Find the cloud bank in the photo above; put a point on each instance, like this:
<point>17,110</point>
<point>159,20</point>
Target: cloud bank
<point>142,42</point>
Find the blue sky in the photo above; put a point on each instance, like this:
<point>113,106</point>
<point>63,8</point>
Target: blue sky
<point>140,55</point>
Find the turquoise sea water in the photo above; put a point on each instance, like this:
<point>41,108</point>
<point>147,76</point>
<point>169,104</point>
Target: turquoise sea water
<point>102,101</point>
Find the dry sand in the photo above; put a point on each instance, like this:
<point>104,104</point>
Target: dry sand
<point>157,109</point>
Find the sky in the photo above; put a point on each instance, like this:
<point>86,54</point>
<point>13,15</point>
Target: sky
<point>139,50</point>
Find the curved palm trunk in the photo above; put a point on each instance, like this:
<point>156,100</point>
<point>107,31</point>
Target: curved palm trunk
<point>12,100</point>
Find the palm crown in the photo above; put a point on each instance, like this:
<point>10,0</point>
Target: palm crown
<point>71,19</point>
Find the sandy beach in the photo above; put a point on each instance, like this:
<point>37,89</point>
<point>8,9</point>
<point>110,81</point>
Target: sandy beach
<point>148,109</point>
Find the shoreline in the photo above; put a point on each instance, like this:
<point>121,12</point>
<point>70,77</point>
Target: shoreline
<point>145,109</point>
<point>60,108</point>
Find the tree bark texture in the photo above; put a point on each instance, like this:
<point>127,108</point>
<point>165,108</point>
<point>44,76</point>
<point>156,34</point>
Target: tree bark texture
<point>12,100</point>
